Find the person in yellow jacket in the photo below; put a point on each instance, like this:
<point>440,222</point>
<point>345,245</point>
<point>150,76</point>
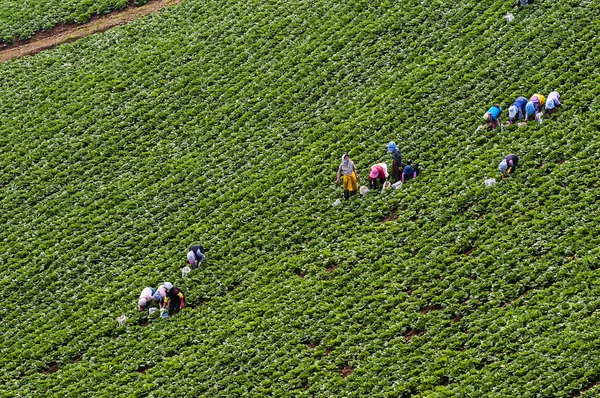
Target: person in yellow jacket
<point>348,170</point>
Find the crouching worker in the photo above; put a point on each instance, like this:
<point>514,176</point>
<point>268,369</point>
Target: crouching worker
<point>378,173</point>
<point>146,298</point>
<point>348,170</point>
<point>196,255</point>
<point>530,111</point>
<point>492,115</point>
<point>517,110</point>
<point>174,301</point>
<point>409,172</point>
<point>509,164</point>
<point>552,103</point>
<point>160,294</point>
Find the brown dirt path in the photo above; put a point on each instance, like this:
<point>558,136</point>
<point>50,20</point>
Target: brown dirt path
<point>66,33</point>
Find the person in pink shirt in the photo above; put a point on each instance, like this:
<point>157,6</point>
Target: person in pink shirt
<point>146,298</point>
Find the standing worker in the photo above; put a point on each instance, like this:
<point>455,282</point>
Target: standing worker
<point>348,170</point>
<point>196,255</point>
<point>409,172</point>
<point>145,298</point>
<point>492,115</point>
<point>397,163</point>
<point>517,110</point>
<point>378,172</point>
<point>174,300</point>
<point>509,164</point>
<point>552,103</point>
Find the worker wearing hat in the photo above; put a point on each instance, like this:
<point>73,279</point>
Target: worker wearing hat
<point>552,103</point>
<point>378,173</point>
<point>517,110</point>
<point>196,255</point>
<point>492,115</point>
<point>509,164</point>
<point>174,300</point>
<point>146,298</point>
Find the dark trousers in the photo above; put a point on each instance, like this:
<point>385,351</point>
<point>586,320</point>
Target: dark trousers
<point>373,182</point>
<point>174,306</point>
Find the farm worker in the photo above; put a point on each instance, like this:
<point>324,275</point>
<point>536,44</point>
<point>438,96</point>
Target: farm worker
<point>378,172</point>
<point>492,115</point>
<point>529,110</point>
<point>348,170</point>
<point>552,103</point>
<point>517,110</point>
<point>160,294</point>
<point>174,300</point>
<point>397,163</point>
<point>538,100</point>
<point>145,298</point>
<point>508,165</point>
<point>409,172</point>
<point>196,255</point>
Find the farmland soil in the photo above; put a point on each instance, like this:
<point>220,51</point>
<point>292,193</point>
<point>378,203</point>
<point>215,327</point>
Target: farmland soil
<point>66,33</point>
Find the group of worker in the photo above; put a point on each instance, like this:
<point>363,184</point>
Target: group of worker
<point>523,109</point>
<point>170,299</point>
<point>378,173</point>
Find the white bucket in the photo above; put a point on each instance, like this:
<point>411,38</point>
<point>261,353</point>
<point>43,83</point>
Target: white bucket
<point>538,117</point>
<point>364,190</point>
<point>185,270</point>
<point>387,184</point>
<point>489,182</point>
<point>397,185</point>
<point>337,202</point>
<point>509,17</point>
<point>152,310</point>
<point>122,319</point>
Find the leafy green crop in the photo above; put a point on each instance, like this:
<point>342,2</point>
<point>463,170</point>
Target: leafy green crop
<point>223,123</point>
<point>21,21</point>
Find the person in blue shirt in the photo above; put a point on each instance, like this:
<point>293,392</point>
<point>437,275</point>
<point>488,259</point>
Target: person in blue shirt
<point>517,110</point>
<point>409,172</point>
<point>492,115</point>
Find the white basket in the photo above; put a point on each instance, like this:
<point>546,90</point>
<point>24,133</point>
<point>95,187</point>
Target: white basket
<point>387,184</point>
<point>122,319</point>
<point>337,202</point>
<point>538,117</point>
<point>397,185</point>
<point>489,182</point>
<point>152,310</point>
<point>185,270</point>
<point>509,17</point>
<point>364,190</point>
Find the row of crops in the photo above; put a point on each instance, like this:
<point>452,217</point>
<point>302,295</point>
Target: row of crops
<point>20,20</point>
<point>224,122</point>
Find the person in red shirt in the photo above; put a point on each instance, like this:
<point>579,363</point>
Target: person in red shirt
<point>378,173</point>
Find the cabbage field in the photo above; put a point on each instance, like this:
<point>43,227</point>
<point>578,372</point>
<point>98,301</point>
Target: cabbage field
<point>223,123</point>
<point>21,19</point>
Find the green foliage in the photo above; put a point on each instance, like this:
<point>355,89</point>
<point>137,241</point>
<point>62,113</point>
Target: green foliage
<point>223,123</point>
<point>21,21</point>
